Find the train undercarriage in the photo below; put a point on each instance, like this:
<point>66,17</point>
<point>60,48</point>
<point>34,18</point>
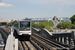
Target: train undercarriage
<point>22,37</point>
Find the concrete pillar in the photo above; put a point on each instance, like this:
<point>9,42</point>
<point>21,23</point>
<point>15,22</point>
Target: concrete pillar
<point>63,40</point>
<point>73,35</point>
<point>67,41</point>
<point>59,39</point>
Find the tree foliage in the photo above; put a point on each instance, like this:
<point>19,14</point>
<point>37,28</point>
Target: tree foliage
<point>15,21</point>
<point>65,25</point>
<point>59,25</point>
<point>73,19</point>
<point>73,26</point>
<point>46,25</point>
<point>40,26</point>
<point>11,23</point>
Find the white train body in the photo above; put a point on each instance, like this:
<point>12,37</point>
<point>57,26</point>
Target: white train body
<point>23,28</point>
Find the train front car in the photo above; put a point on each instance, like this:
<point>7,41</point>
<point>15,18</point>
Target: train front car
<point>25,28</point>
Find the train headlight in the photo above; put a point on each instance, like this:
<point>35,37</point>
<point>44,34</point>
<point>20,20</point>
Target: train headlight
<point>20,33</point>
<point>29,33</point>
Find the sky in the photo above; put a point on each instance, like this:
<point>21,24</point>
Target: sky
<point>20,9</point>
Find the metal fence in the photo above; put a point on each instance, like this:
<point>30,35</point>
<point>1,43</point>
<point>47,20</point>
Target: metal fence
<point>66,39</point>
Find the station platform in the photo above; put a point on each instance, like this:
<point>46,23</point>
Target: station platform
<point>10,44</point>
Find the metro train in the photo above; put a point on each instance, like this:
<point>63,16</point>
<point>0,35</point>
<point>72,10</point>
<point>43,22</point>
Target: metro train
<point>23,28</point>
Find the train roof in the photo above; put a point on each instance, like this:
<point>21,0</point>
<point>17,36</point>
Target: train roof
<point>25,20</point>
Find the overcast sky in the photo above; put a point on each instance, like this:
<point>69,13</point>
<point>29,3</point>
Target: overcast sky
<point>20,9</point>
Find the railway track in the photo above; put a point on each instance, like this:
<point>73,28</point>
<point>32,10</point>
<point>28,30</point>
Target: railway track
<point>47,44</point>
<point>28,45</point>
<point>4,34</point>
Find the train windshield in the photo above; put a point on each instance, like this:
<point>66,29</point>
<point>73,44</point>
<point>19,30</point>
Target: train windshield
<point>24,26</point>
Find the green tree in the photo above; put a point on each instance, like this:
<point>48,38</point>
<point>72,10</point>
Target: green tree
<point>73,26</point>
<point>33,25</point>
<point>15,21</point>
<point>73,19</point>
<point>74,22</point>
<point>41,26</point>
<point>64,25</point>
<point>59,25</point>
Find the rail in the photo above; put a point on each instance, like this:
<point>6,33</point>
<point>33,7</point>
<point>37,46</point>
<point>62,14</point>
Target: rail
<point>5,34</point>
<point>28,45</point>
<point>38,48</point>
<point>47,44</point>
<point>20,46</point>
<point>63,39</point>
<point>5,31</point>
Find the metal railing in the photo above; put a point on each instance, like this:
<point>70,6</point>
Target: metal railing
<point>65,39</point>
